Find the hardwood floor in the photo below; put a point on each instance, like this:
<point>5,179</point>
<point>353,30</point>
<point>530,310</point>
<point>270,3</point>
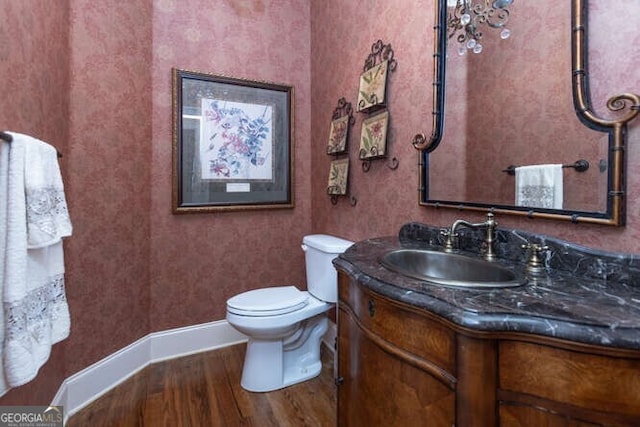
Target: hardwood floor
<point>204,390</point>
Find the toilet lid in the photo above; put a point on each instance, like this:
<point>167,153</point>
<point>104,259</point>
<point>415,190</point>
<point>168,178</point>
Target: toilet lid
<point>268,301</point>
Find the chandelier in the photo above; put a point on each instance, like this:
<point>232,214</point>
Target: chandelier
<point>467,19</point>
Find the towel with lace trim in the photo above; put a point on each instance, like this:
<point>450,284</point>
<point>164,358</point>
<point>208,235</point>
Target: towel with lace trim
<point>35,313</point>
<point>539,186</point>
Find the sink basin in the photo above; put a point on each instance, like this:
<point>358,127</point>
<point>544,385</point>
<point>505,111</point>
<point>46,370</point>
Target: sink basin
<point>450,269</point>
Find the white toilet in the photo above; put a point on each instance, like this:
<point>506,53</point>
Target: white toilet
<point>285,325</point>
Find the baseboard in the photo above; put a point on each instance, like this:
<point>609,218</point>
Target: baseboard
<point>85,386</point>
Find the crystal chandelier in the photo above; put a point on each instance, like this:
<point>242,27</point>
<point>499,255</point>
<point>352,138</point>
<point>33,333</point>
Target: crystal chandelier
<point>467,18</point>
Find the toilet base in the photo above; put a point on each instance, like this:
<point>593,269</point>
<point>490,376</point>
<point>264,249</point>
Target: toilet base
<point>274,364</point>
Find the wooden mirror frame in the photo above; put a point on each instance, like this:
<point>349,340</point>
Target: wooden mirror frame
<point>616,129</point>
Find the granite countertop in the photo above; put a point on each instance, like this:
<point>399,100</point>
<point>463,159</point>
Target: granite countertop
<point>584,296</point>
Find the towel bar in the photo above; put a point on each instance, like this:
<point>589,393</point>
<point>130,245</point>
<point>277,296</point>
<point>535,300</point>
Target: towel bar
<point>8,138</point>
<point>580,166</point>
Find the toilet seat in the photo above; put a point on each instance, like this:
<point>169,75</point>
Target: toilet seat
<point>268,301</point>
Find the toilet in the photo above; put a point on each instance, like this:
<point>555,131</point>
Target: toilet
<point>285,325</point>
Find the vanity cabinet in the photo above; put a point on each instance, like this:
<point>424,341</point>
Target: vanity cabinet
<point>559,383</point>
<point>394,367</point>
<point>400,365</point>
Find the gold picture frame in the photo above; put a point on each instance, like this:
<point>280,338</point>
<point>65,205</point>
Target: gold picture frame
<point>232,143</point>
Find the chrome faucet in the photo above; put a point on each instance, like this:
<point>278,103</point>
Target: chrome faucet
<point>490,225</point>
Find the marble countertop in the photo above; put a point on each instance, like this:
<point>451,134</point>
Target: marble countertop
<point>585,296</point>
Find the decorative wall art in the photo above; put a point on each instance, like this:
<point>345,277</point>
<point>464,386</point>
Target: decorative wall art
<point>373,87</point>
<point>338,177</point>
<point>373,137</point>
<point>232,144</point>
<point>372,97</point>
<point>342,120</point>
<point>338,135</point>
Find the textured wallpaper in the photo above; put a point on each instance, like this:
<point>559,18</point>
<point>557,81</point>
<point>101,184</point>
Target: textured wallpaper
<point>518,110</point>
<point>132,266</point>
<point>94,78</point>
<point>386,199</point>
<point>199,261</point>
<point>35,87</point>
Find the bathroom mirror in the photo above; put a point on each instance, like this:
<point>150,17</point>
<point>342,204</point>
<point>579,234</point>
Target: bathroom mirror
<point>523,101</point>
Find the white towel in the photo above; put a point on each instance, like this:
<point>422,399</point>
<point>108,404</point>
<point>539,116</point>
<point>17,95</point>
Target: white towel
<point>35,311</point>
<point>47,216</point>
<point>539,186</point>
<point>4,196</point>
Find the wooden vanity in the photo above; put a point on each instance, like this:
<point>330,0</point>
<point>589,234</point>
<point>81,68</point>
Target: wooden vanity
<point>401,364</point>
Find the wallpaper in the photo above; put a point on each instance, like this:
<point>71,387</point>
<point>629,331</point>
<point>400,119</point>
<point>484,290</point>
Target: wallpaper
<point>199,261</point>
<point>386,198</point>
<point>34,86</point>
<point>94,78</point>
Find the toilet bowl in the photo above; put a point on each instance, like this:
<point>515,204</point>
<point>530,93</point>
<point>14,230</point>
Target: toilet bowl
<point>295,335</point>
<point>284,324</point>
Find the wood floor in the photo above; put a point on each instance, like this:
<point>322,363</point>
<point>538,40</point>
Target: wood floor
<point>204,390</point>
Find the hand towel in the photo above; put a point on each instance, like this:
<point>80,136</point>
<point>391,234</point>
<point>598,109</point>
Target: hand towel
<point>35,311</point>
<point>4,198</point>
<point>539,186</point>
<point>47,216</point>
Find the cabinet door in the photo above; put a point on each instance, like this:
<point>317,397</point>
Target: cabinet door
<point>562,387</point>
<point>524,416</point>
<point>380,389</point>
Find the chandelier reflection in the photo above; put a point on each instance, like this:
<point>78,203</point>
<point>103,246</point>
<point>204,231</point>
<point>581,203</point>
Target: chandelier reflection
<point>468,18</point>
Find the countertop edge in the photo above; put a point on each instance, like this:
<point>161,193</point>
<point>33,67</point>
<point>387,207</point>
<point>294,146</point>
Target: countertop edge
<point>608,336</point>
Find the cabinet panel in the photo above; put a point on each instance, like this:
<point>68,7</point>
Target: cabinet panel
<point>523,416</point>
<point>380,389</point>
<point>571,381</point>
<point>401,326</point>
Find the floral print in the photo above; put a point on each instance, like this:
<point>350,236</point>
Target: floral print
<point>236,140</point>
<point>373,138</point>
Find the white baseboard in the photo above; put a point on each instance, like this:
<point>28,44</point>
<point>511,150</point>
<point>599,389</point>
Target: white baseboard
<point>85,386</point>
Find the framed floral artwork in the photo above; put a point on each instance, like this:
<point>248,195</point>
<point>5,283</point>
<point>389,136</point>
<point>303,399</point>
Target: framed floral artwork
<point>373,137</point>
<point>338,177</point>
<point>232,143</point>
<point>373,87</point>
<point>338,135</point>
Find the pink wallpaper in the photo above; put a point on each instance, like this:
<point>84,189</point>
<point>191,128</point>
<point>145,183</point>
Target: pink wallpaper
<point>95,79</point>
<point>34,69</point>
<point>198,261</point>
<point>540,126</point>
<point>108,166</point>
<point>387,199</point>
<point>341,37</point>
<point>132,266</point>
<point>34,88</point>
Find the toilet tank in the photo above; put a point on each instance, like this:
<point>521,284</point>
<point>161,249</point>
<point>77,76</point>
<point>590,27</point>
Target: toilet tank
<point>322,278</point>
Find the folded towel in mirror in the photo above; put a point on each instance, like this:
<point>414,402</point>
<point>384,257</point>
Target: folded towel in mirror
<point>539,186</point>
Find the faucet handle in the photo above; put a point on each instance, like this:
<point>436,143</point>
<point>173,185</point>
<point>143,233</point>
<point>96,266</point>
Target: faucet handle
<point>534,263</point>
<point>448,239</point>
<point>491,219</point>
